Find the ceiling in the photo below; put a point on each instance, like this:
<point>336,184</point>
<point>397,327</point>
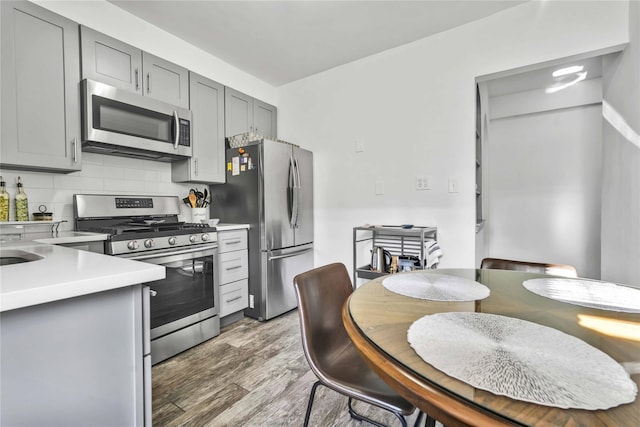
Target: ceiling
<point>282,41</point>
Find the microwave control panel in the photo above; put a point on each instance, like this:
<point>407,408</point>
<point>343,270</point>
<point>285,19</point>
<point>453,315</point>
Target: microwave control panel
<point>185,133</point>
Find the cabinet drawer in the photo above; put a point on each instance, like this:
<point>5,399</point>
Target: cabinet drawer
<point>232,240</point>
<point>234,297</point>
<point>233,266</point>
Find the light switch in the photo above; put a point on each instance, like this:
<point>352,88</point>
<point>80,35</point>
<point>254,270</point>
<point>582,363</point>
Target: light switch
<point>453,186</point>
<point>379,188</point>
<point>423,182</point>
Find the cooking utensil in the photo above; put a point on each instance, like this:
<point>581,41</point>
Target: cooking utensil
<point>192,198</point>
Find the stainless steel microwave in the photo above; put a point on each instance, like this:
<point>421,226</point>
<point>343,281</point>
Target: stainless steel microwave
<point>118,122</point>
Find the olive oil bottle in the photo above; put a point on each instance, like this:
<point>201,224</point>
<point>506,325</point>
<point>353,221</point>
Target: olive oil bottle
<point>22,205</point>
<point>4,201</point>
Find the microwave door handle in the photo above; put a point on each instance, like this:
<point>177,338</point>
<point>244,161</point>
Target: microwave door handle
<point>176,130</point>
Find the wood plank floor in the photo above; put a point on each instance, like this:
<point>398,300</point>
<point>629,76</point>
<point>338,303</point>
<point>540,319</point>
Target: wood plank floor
<point>252,374</point>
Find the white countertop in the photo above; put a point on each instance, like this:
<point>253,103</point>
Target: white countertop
<point>64,237</point>
<point>66,273</point>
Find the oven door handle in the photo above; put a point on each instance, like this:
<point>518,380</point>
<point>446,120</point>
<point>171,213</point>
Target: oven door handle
<point>167,254</point>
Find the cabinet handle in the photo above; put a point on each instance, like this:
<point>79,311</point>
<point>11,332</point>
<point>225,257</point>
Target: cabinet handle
<point>195,167</point>
<point>232,242</point>
<point>233,299</point>
<point>235,267</point>
<point>137,76</point>
<point>148,82</point>
<point>75,150</point>
<point>153,293</point>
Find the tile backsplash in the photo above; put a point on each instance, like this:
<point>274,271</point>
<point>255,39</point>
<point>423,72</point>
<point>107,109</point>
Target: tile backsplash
<point>100,174</point>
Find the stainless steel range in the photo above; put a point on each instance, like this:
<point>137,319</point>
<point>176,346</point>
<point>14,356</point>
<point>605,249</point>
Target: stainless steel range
<point>184,305</point>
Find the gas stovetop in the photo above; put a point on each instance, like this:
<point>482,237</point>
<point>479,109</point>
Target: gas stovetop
<point>139,223</point>
<point>152,228</point>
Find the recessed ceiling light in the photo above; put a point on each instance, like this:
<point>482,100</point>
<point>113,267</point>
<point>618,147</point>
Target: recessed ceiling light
<point>568,70</point>
<point>559,87</point>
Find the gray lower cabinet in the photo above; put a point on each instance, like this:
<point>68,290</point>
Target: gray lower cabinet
<point>207,106</point>
<point>246,114</point>
<point>81,361</point>
<point>121,65</point>
<point>233,262</point>
<point>40,123</point>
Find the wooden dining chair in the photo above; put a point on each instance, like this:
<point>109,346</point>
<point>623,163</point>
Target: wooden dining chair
<point>321,293</point>
<point>530,267</point>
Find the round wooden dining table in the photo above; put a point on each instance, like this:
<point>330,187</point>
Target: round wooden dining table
<point>377,321</point>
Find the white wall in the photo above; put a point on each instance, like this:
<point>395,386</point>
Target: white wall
<point>621,160</point>
<point>545,181</point>
<point>414,108</point>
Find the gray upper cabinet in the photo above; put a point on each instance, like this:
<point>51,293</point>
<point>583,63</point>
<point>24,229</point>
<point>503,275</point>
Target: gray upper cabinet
<point>265,119</point>
<point>207,106</point>
<point>165,81</point>
<point>246,114</point>
<point>118,64</point>
<point>40,123</point>
<point>238,112</point>
<point>110,61</point>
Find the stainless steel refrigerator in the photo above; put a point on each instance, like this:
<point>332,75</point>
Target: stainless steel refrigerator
<point>270,186</point>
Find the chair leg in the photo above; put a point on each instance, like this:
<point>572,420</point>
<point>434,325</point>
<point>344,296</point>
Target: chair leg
<point>359,417</point>
<point>313,394</point>
<point>418,419</point>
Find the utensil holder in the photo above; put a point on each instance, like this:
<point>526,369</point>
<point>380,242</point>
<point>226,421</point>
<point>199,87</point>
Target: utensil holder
<point>198,214</point>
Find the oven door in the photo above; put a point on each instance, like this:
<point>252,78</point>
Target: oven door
<point>188,294</point>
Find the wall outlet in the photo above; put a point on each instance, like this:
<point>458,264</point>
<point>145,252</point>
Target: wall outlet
<point>423,182</point>
<point>251,305</point>
<point>453,186</point>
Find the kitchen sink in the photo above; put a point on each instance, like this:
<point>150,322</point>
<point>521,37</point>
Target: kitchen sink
<point>12,256</point>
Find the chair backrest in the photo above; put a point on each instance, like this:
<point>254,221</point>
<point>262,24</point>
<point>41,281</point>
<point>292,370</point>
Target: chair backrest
<point>531,267</point>
<point>321,292</point>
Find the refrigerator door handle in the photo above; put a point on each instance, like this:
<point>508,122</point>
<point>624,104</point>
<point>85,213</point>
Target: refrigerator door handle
<point>298,190</point>
<point>293,189</point>
<point>291,254</point>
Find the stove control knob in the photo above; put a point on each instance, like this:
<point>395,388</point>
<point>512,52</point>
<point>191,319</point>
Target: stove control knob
<point>132,245</point>
<point>205,237</point>
<point>148,243</point>
<point>193,238</point>
<point>172,241</point>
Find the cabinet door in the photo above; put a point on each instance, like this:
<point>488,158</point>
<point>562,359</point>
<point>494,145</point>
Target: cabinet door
<point>110,61</point>
<point>165,81</point>
<point>238,112</point>
<point>40,89</point>
<point>265,119</point>
<point>207,106</point>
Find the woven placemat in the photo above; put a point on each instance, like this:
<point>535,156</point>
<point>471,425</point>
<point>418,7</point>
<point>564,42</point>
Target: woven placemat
<point>521,360</point>
<point>435,287</point>
<point>587,293</point>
